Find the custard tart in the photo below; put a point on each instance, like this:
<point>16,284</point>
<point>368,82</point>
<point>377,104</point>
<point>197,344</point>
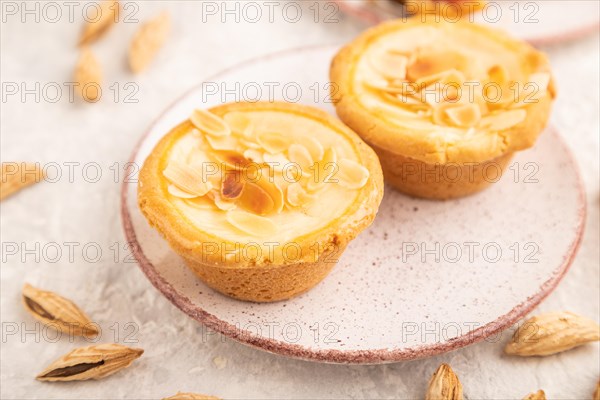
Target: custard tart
<point>260,199</point>
<point>444,104</point>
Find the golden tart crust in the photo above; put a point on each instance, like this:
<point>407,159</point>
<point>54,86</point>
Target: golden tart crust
<point>255,238</point>
<point>422,49</point>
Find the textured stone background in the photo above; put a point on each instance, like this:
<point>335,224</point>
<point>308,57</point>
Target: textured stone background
<point>180,355</point>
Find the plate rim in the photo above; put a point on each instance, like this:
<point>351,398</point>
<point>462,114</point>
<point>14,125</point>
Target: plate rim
<point>374,356</point>
<point>373,18</point>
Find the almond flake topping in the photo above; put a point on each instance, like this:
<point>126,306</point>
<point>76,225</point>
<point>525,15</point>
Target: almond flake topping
<point>300,155</point>
<point>296,195</point>
<point>351,174</point>
<point>391,65</point>
<point>186,178</point>
<point>503,119</point>
<point>464,116</point>
<point>175,191</point>
<point>272,142</point>
<point>209,123</point>
<point>250,223</point>
<point>239,123</point>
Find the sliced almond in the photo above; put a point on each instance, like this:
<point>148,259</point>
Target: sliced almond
<point>351,174</point>
<point>222,142</point>
<point>221,203</point>
<point>503,120</point>
<point>276,161</point>
<point>390,65</point>
<point>232,159</point>
<point>88,76</point>
<point>434,63</point>
<point>201,203</point>
<point>444,77</point>
<point>182,194</point>
<point>256,200</point>
<point>188,179</point>
<point>537,86</point>
<point>209,123</point>
<point>232,186</point>
<point>270,186</point>
<point>296,195</point>
<point>314,147</point>
<point>552,333</point>
<point>254,155</point>
<point>300,155</point>
<point>240,123</point>
<point>272,142</point>
<point>464,116</point>
<point>94,29</point>
<point>148,40</point>
<point>250,223</point>
<point>498,74</point>
<point>323,169</point>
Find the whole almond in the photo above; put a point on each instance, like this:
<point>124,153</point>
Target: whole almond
<point>18,175</point>
<point>444,385</point>
<point>57,312</point>
<point>92,362</point>
<point>539,395</point>
<point>108,14</point>
<point>552,333</point>
<point>88,76</point>
<point>191,396</point>
<point>148,40</point>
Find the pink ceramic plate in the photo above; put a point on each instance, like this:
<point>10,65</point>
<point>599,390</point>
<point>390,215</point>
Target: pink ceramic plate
<point>538,22</point>
<point>427,277</point>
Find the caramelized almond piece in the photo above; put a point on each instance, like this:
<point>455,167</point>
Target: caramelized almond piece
<point>296,195</point>
<point>351,174</point>
<point>108,15</point>
<point>186,178</point>
<point>232,159</point>
<point>503,120</point>
<point>434,63</point>
<point>182,194</point>
<point>390,65</point>
<point>498,74</point>
<point>209,123</point>
<point>266,183</point>
<point>256,200</point>
<point>251,223</point>
<point>272,142</point>
<point>232,186</point>
<point>300,155</point>
<point>464,116</point>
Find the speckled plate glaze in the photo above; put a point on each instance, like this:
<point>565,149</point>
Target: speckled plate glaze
<point>538,22</point>
<point>426,278</point>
